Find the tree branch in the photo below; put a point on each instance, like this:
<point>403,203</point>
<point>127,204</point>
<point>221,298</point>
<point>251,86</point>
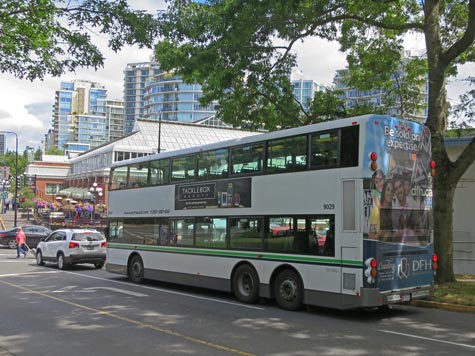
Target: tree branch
<point>466,41</point>
<point>463,161</point>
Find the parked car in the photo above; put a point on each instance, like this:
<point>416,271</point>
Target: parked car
<point>71,246</point>
<point>34,233</point>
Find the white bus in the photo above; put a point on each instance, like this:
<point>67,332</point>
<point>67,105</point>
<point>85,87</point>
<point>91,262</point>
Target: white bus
<point>297,215</point>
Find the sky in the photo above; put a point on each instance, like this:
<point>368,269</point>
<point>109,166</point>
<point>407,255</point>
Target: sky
<point>26,107</point>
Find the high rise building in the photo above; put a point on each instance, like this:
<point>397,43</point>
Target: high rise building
<point>83,118</point>
<point>2,144</point>
<point>168,98</point>
<point>115,118</point>
<point>304,91</point>
<point>353,97</point>
<point>135,76</point>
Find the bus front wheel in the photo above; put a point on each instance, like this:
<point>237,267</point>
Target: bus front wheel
<point>136,269</point>
<point>246,284</point>
<point>288,290</point>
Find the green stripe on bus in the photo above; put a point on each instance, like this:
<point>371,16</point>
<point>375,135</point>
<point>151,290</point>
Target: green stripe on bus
<point>241,254</point>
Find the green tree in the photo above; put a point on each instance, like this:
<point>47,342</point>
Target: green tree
<point>466,108</point>
<point>242,54</point>
<point>40,37</point>
<point>54,151</point>
<point>28,195</point>
<point>9,160</point>
<point>38,154</point>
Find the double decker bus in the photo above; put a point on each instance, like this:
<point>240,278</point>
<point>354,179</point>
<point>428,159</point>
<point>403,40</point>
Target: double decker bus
<point>335,214</point>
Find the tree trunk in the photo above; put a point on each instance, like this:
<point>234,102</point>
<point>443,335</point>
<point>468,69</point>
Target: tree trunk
<point>443,201</point>
<point>444,189</point>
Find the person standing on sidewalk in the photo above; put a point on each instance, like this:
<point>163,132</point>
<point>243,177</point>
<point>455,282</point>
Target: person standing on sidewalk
<point>21,241</point>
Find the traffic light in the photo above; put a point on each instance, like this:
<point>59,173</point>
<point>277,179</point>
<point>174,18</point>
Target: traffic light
<point>371,270</point>
<point>18,181</point>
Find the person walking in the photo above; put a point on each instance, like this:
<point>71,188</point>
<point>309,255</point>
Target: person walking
<point>21,241</point>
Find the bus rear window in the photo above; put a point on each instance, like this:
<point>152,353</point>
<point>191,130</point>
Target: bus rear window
<point>349,146</point>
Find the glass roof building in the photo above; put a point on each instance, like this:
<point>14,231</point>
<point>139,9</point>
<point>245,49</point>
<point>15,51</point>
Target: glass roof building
<point>94,165</point>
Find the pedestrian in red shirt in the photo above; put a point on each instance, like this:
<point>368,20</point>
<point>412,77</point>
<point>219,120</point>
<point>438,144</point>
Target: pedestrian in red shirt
<point>21,241</point>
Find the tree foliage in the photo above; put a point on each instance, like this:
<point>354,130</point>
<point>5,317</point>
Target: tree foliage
<point>55,151</point>
<point>242,53</point>
<point>465,110</point>
<point>9,160</point>
<point>49,37</point>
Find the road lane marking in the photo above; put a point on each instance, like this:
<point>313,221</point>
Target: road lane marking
<point>169,291</point>
<point>135,322</point>
<point>117,290</point>
<point>26,273</point>
<point>214,300</point>
<point>428,339</point>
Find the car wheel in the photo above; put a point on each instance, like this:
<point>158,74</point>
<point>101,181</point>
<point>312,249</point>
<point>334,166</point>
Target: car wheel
<point>136,269</point>
<point>99,265</point>
<point>61,262</point>
<point>288,290</point>
<point>246,284</point>
<point>39,258</point>
<point>12,244</point>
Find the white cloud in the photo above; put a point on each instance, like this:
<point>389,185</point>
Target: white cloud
<point>14,115</point>
<point>318,59</point>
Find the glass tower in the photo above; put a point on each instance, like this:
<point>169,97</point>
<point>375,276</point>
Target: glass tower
<point>168,98</point>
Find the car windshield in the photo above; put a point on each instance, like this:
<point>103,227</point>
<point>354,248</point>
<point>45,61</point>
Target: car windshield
<point>87,236</point>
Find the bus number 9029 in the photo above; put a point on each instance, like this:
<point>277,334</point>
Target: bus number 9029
<point>328,206</point>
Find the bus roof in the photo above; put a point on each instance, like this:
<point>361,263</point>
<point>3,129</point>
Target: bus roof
<point>357,120</point>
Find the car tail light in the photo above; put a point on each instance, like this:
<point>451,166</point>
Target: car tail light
<point>73,244</point>
<point>2,235</point>
<point>104,244</point>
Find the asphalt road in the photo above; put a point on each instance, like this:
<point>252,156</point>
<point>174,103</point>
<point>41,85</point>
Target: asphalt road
<point>83,311</point>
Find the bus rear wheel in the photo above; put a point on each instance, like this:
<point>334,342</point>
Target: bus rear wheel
<point>246,284</point>
<point>288,290</point>
<point>136,269</point>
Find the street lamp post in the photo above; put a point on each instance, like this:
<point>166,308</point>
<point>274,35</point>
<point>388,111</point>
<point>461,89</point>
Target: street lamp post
<point>16,173</point>
<point>159,132</point>
<point>94,190</point>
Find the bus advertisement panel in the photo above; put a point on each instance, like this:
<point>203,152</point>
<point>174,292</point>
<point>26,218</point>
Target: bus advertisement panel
<point>398,202</point>
<point>228,193</point>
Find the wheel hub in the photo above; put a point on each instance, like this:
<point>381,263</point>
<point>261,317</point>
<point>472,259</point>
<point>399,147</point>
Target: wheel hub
<point>288,290</point>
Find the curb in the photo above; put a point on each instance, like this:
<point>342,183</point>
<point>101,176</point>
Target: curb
<point>445,306</point>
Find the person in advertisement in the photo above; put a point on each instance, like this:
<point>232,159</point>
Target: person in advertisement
<point>402,153</point>
<point>380,218</point>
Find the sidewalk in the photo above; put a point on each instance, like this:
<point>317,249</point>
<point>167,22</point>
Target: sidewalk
<point>8,219</point>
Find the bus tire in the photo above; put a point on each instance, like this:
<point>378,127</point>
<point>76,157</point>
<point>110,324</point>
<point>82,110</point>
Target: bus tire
<point>288,290</point>
<point>136,269</point>
<point>246,284</point>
